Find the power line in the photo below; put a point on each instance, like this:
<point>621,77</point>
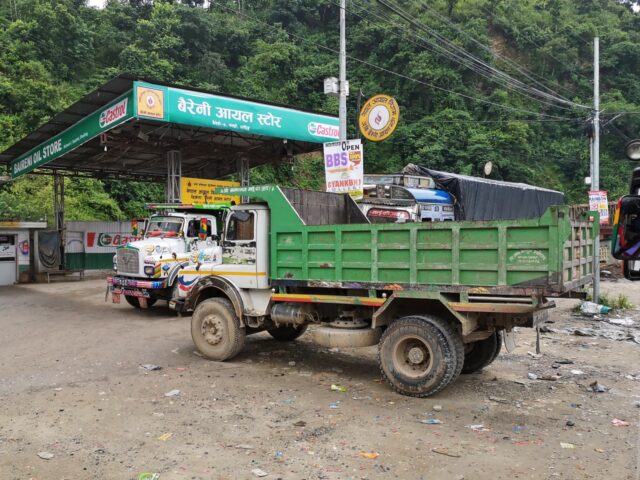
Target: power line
<point>439,50</point>
<point>517,83</point>
<point>521,69</point>
<point>386,70</point>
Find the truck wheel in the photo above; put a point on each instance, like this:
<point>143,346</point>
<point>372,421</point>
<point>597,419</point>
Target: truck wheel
<point>420,355</point>
<point>215,329</point>
<point>478,355</point>
<point>134,302</point>
<point>287,333</point>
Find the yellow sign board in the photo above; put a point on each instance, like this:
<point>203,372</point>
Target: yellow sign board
<point>379,117</point>
<point>203,191</point>
<point>150,102</point>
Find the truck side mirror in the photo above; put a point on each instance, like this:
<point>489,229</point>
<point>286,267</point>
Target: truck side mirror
<point>625,241</point>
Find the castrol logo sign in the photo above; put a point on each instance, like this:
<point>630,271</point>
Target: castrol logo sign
<point>113,113</point>
<point>323,130</point>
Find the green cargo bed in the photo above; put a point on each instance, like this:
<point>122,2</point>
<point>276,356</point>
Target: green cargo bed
<point>549,256</point>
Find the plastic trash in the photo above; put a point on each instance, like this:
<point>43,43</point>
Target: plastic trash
<point>431,421</point>
<point>370,455</point>
<point>338,388</point>
<point>477,428</point>
<point>172,393</point>
<point>165,436</point>
<point>150,367</point>
<point>591,308</point>
<point>619,423</point>
<point>532,376</point>
<point>567,445</point>
<point>45,455</point>
<point>437,408</point>
<point>259,473</point>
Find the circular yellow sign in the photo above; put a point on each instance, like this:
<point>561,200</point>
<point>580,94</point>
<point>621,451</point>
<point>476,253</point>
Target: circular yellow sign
<point>379,117</point>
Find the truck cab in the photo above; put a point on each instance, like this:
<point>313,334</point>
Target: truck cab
<point>398,198</point>
<point>146,269</point>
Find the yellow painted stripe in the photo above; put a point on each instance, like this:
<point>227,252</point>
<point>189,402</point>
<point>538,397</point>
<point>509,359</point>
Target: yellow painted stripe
<point>167,260</point>
<point>369,301</point>
<point>216,272</point>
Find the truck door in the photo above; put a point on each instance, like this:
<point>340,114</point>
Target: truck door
<point>239,249</point>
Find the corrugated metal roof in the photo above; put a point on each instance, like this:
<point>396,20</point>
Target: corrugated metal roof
<point>137,149</point>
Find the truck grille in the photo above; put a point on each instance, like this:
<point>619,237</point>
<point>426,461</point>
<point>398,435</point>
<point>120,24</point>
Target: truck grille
<point>127,260</point>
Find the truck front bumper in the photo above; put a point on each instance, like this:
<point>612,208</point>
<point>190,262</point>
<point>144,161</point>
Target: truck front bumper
<point>132,287</point>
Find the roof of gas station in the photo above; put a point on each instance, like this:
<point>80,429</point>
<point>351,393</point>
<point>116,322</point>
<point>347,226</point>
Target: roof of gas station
<point>125,128</point>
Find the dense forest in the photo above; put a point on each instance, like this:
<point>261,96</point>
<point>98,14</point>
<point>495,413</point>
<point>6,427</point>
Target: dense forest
<point>506,81</point>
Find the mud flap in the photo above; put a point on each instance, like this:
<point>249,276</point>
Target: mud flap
<point>509,340</point>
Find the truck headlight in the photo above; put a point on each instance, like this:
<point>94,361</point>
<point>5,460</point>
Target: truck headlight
<point>148,270</point>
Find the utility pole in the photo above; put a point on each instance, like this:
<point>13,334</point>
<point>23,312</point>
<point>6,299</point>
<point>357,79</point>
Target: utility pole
<point>343,86</point>
<point>595,161</point>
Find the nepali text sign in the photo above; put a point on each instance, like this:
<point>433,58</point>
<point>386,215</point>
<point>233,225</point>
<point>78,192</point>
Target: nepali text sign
<point>213,111</point>
<point>101,120</point>
<point>343,167</point>
<point>598,202</point>
<point>201,191</point>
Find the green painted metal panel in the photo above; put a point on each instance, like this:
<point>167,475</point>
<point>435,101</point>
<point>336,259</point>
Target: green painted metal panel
<point>89,261</point>
<point>547,253</point>
<point>112,115</point>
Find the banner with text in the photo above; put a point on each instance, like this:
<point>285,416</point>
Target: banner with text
<point>115,113</point>
<point>343,167</point>
<point>202,191</point>
<point>201,109</point>
<point>598,202</point>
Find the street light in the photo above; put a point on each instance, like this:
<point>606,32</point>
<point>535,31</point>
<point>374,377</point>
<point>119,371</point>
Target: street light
<point>632,149</point>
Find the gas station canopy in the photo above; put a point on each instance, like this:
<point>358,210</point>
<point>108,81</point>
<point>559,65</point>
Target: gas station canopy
<point>126,127</point>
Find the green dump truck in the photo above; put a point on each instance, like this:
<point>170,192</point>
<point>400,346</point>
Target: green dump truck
<point>437,298</point>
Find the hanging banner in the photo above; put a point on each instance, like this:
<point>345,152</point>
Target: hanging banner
<point>343,167</point>
<point>379,117</point>
<point>598,202</point>
<point>202,191</point>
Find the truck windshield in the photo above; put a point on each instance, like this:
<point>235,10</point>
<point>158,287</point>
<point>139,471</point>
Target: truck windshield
<point>164,227</point>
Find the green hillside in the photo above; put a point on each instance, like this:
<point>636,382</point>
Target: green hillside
<point>507,81</point>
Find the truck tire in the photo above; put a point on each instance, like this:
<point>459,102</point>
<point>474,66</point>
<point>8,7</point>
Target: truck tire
<point>216,330</point>
<point>133,301</point>
<point>287,333</point>
<point>420,355</point>
<point>480,354</point>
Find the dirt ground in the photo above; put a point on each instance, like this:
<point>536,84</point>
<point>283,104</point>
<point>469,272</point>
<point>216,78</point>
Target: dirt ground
<point>71,385</point>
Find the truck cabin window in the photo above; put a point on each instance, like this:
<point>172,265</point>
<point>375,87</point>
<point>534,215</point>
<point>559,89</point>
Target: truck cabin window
<point>628,242</point>
<point>240,227</point>
<point>193,230</point>
<point>164,227</point>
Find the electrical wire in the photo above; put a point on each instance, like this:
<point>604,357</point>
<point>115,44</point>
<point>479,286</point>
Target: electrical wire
<point>386,70</point>
<point>521,69</point>
<point>438,50</point>
<point>480,63</point>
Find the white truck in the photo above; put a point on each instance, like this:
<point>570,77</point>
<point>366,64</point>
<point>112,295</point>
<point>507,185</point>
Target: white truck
<point>146,269</point>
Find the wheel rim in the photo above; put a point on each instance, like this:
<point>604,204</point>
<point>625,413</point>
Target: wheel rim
<point>412,357</point>
<point>212,329</point>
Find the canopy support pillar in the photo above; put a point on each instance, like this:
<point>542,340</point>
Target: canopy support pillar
<point>174,174</point>
<point>58,212</point>
<point>242,165</point>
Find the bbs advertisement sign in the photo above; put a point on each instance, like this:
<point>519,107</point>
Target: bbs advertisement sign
<point>343,167</point>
